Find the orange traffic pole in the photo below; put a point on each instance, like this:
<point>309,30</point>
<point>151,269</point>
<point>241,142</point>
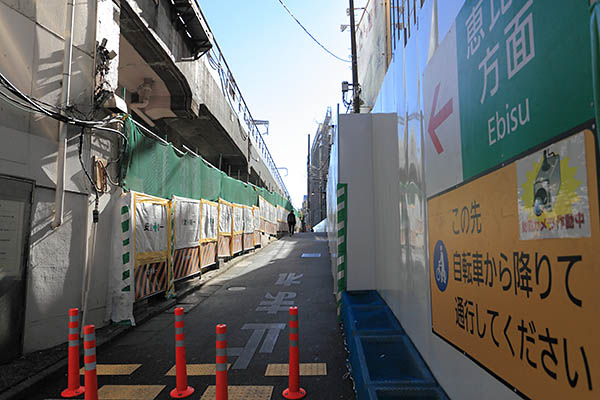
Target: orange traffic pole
<point>182,389</point>
<point>221,362</point>
<point>89,359</point>
<point>73,388</point>
<point>294,391</point>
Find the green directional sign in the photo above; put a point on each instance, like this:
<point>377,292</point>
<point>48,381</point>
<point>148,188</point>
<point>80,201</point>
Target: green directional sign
<point>524,73</point>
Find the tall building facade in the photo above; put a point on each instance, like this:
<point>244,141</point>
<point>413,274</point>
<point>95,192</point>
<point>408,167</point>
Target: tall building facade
<point>317,170</point>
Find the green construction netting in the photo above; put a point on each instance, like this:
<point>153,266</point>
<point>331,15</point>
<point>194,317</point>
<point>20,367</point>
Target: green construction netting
<point>154,168</point>
<point>274,198</point>
<point>238,192</point>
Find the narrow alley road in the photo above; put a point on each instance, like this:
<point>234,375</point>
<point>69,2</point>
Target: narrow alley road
<point>252,298</point>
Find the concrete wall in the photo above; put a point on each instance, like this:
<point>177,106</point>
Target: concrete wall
<point>158,17</point>
<point>206,90</point>
<point>204,84</point>
<point>369,164</point>
<point>386,208</point>
<point>356,169</point>
<point>31,56</point>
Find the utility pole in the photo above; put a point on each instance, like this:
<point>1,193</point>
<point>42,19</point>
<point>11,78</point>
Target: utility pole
<point>355,86</point>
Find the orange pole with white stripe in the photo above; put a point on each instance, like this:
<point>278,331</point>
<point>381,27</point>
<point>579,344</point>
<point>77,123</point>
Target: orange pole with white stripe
<point>294,391</point>
<point>89,359</point>
<point>182,389</point>
<point>221,363</point>
<point>73,388</point>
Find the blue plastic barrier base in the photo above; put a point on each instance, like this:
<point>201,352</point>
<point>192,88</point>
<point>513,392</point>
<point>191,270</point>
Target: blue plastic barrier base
<point>383,361</point>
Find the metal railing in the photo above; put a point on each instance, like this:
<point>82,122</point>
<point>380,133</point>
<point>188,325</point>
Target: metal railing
<point>216,60</point>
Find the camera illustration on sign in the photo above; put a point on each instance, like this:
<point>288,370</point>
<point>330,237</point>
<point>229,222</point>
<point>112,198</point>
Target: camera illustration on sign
<point>547,183</point>
<point>553,193</point>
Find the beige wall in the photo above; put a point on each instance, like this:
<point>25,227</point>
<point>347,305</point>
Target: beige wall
<point>31,56</point>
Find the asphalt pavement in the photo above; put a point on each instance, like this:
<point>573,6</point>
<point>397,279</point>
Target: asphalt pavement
<point>252,298</point>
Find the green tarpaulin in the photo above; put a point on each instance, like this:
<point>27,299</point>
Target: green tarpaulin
<point>155,168</point>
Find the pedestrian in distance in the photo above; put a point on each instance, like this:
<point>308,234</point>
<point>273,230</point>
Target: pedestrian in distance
<point>291,218</point>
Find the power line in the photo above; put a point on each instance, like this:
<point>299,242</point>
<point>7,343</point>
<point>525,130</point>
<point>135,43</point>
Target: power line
<point>30,104</point>
<point>308,33</point>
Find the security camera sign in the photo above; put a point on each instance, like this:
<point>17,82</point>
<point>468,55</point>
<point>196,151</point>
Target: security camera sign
<point>553,192</point>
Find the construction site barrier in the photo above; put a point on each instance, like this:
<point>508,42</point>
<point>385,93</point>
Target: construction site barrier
<point>186,262</point>
<point>209,217</point>
<point>221,363</point>
<point>237,228</point>
<point>73,387</point>
<point>181,389</point>
<point>89,359</point>
<point>294,391</point>
<point>152,257</point>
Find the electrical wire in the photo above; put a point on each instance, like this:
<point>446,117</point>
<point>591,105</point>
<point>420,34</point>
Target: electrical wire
<point>96,164</point>
<point>96,188</point>
<point>16,100</point>
<point>16,92</point>
<point>37,107</point>
<point>91,124</point>
<point>28,104</point>
<point>105,168</point>
<point>104,128</point>
<point>309,34</point>
<point>15,103</point>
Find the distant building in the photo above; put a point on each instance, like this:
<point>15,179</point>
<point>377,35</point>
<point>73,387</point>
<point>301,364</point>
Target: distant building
<point>304,210</point>
<point>318,167</point>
